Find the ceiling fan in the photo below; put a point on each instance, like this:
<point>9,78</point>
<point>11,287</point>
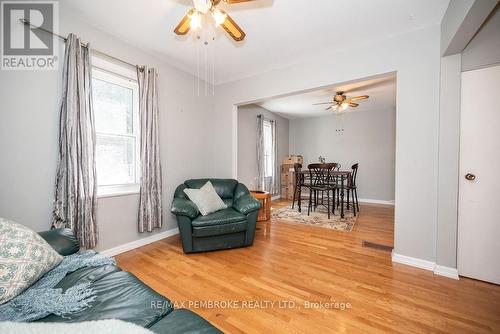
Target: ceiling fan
<point>341,102</point>
<point>208,8</point>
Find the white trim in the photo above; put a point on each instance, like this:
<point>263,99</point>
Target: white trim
<point>446,271</point>
<point>412,261</point>
<point>234,141</point>
<point>139,243</point>
<point>275,197</point>
<point>121,190</point>
<point>376,201</point>
<point>120,76</point>
<point>426,265</point>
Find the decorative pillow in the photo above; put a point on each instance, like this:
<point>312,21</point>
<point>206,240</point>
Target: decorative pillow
<point>206,199</point>
<point>24,258</point>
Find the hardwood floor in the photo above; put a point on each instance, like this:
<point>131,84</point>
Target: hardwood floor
<point>294,265</point>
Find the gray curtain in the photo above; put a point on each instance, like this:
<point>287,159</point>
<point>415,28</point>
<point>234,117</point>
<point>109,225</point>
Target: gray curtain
<point>75,202</point>
<point>260,153</point>
<point>150,207</point>
<point>274,187</point>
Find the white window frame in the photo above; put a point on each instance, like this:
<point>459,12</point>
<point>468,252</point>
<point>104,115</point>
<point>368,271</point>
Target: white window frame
<point>268,127</point>
<point>108,71</point>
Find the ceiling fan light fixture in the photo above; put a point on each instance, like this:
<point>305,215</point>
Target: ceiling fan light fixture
<point>219,16</point>
<point>195,20</point>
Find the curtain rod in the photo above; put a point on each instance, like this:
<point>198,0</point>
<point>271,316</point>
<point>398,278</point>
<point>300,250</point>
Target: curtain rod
<point>24,21</point>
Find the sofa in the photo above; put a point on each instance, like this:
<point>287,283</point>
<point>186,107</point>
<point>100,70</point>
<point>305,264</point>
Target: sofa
<point>120,295</point>
<point>228,228</point>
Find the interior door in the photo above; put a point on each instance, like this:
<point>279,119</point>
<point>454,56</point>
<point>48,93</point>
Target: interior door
<point>479,197</point>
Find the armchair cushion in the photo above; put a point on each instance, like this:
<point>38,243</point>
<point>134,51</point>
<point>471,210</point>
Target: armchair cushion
<point>225,216</point>
<point>223,187</point>
<point>246,204</point>
<point>184,207</point>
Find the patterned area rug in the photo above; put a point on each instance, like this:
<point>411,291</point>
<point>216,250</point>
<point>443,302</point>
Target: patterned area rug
<point>317,218</point>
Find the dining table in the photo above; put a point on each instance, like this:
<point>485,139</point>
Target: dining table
<point>340,178</point>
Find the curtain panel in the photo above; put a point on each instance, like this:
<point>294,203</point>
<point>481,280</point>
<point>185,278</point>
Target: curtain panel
<point>274,187</point>
<point>150,205</point>
<point>75,201</point>
<point>261,168</point>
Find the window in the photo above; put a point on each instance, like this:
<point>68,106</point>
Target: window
<point>116,109</point>
<point>268,149</point>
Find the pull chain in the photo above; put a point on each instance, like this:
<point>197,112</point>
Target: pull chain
<point>213,65</point>
<point>198,63</point>
<point>206,62</point>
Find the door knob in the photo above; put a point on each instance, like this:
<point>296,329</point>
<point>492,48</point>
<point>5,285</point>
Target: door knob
<point>470,177</point>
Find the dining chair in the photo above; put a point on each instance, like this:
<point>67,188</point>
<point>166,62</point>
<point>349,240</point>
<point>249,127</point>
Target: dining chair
<point>298,184</point>
<point>352,188</point>
<point>322,181</point>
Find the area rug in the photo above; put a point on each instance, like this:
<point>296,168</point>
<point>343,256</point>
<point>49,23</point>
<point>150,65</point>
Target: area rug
<point>317,218</point>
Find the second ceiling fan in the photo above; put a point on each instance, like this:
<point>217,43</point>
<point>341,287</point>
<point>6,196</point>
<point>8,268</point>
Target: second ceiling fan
<point>341,102</point>
<point>208,8</point>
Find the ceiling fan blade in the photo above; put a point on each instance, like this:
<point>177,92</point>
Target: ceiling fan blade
<point>330,107</point>
<point>361,97</point>
<point>352,104</point>
<point>317,104</point>
<point>231,2</point>
<point>184,26</point>
<point>232,28</point>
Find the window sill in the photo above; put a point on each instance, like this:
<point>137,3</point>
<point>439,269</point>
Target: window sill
<point>115,191</point>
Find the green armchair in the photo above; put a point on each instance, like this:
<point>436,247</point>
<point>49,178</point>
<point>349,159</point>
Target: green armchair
<point>228,228</point>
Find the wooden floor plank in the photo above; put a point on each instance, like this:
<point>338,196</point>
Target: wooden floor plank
<point>303,264</point>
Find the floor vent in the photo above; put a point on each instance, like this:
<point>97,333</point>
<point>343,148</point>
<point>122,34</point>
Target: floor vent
<point>377,246</point>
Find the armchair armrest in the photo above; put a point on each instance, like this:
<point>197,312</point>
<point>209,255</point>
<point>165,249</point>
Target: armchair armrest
<point>184,207</point>
<point>63,240</point>
<point>246,204</point>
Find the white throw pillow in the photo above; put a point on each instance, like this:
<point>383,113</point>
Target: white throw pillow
<point>206,199</point>
<point>24,257</point>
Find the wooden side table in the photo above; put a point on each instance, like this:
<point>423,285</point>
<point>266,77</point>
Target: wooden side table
<point>265,209</point>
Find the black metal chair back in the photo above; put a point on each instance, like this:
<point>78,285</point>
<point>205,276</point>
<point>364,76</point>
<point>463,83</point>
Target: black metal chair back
<point>320,174</point>
<point>299,177</point>
<point>336,166</point>
<point>354,174</point>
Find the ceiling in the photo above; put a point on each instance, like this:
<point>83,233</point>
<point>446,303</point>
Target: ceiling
<point>279,32</point>
<point>382,92</point>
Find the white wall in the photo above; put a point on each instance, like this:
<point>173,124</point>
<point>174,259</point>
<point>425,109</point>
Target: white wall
<point>449,145</point>
<point>29,112</point>
<point>416,58</point>
<point>369,138</point>
<point>247,141</point>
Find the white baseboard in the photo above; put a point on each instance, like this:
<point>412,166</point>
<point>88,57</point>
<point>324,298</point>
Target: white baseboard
<point>446,271</point>
<point>139,243</point>
<point>375,201</point>
<point>412,261</point>
<point>275,197</point>
<point>426,265</point>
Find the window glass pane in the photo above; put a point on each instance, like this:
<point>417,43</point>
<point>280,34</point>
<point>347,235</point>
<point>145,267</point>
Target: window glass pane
<point>269,166</point>
<point>115,160</point>
<point>113,107</point>
<point>268,149</point>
